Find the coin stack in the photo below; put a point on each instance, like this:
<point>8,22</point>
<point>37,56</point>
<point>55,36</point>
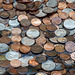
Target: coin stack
<point>37,37</point>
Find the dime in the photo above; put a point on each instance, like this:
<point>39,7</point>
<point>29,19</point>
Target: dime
<point>73,55</point>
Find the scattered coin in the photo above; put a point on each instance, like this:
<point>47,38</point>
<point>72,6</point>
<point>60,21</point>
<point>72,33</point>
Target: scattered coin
<point>73,55</point>
<point>56,72</point>
<point>40,73</point>
<point>2,26</point>
<point>2,70</point>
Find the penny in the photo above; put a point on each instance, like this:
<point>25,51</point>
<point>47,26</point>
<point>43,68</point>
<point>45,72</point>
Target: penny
<point>70,1</point>
<point>48,65</point>
<point>2,70</point>
<point>69,24</point>
<point>1,5</point>
<point>51,3</point>
<point>46,21</point>
<point>48,46</point>
<point>36,22</point>
<point>16,38</point>
<point>36,49</point>
<point>22,70</point>
<point>72,72</point>
<point>24,60</point>
<point>48,10</point>
<point>62,5</point>
<point>71,5</point>
<point>51,53</point>
<point>23,1</point>
<point>34,12</point>
<point>56,21</point>
<point>56,72</point>
<point>21,6</point>
<point>25,49</point>
<point>60,32</point>
<point>14,23</point>
<point>40,73</point>
<point>22,16</point>
<point>32,27</point>
<point>15,63</point>
<point>7,6</point>
<point>32,33</point>
<point>62,39</point>
<point>32,62</point>
<point>11,55</point>
<point>59,48</point>
<point>15,47</point>
<point>73,55</point>
<point>51,27</point>
<point>65,56</point>
<point>16,31</point>
<point>4,14</point>
<point>70,46</point>
<point>27,41</point>
<point>2,26</point>
<point>63,15</point>
<point>8,1</point>
<point>25,22</point>
<point>21,13</point>
<point>3,47</point>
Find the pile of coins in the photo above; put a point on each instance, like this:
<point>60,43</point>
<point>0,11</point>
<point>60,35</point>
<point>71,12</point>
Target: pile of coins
<point>37,37</point>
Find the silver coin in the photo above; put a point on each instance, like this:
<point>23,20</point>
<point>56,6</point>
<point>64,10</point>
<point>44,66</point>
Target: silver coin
<point>73,55</point>
<point>40,73</point>
<point>33,33</point>
<point>3,47</point>
<point>12,55</point>
<point>27,41</point>
<point>13,23</point>
<point>48,65</point>
<point>2,26</point>
<point>69,24</point>
<point>72,32</point>
<point>2,71</point>
<point>9,28</point>
<point>24,60</point>
<point>70,1</point>
<point>60,32</point>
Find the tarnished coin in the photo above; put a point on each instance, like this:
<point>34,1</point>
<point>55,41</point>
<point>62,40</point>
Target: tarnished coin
<point>56,72</point>
<point>48,46</point>
<point>60,32</point>
<point>40,73</point>
<point>15,63</point>
<point>70,46</point>
<point>27,41</point>
<point>48,65</point>
<point>69,24</point>
<point>14,23</point>
<point>73,55</point>
<point>3,47</point>
<point>33,33</point>
<point>12,55</point>
<point>2,26</point>
<point>2,70</point>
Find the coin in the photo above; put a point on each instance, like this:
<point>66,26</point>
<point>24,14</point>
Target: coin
<point>8,1</point>
<point>2,70</point>
<point>71,5</point>
<point>2,26</point>
<point>73,55</point>
<point>27,41</point>
<point>70,46</point>
<point>56,72</point>
<point>36,22</point>
<point>32,33</point>
<point>15,63</point>
<point>3,47</point>
<point>70,1</point>
<point>48,46</point>
<point>11,55</point>
<point>36,49</point>
<point>16,31</point>
<point>48,65</point>
<point>40,73</point>
<point>25,49</point>
<point>2,57</point>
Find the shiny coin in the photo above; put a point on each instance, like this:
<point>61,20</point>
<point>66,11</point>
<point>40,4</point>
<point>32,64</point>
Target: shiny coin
<point>2,70</point>
<point>69,24</point>
<point>27,41</point>
<point>73,55</point>
<point>2,26</point>
<point>60,32</point>
<point>40,73</point>
<point>70,1</point>
<point>3,47</point>
<point>56,72</point>
<point>33,33</point>
<point>48,65</point>
<point>12,55</point>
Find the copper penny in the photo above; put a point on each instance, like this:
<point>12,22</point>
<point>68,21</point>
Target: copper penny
<point>15,63</point>
<point>20,13</point>
<point>72,5</point>
<point>15,47</point>
<point>22,16</point>
<point>73,55</point>
<point>25,49</point>
<point>70,38</point>
<point>8,1</point>
<point>16,38</point>
<point>43,27</point>
<point>56,72</point>
<point>56,21</point>
<point>16,31</point>
<point>7,6</point>
<point>48,46</point>
<point>63,15</point>
<point>70,46</point>
<point>1,5</point>
<point>64,56</point>
<point>59,48</point>
<point>36,22</point>
<point>32,62</point>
